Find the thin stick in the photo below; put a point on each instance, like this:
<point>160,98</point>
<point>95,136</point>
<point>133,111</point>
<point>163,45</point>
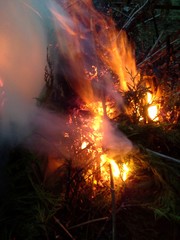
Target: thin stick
<point>113,204</point>
<point>156,42</point>
<point>62,226</point>
<point>88,222</point>
<point>149,19</point>
<point>133,15</point>
<point>163,156</point>
<point>159,50</point>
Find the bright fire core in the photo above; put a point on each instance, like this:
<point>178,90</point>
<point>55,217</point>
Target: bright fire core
<point>152,109</point>
<point>102,160</point>
<point>95,50</point>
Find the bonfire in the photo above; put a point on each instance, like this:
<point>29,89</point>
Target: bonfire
<point>97,161</point>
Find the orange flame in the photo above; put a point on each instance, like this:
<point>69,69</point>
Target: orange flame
<point>85,41</point>
<point>65,22</point>
<point>118,53</point>
<point>95,135</point>
<point>87,38</point>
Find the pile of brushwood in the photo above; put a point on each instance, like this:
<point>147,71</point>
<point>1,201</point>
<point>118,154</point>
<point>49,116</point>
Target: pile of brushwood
<point>147,205</point>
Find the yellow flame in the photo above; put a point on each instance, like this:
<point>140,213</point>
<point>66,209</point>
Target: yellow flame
<point>96,108</point>
<point>117,171</point>
<point>153,109</point>
<point>79,26</point>
<point>152,112</point>
<point>97,123</point>
<point>115,168</point>
<point>125,171</point>
<point>104,167</point>
<point>149,98</point>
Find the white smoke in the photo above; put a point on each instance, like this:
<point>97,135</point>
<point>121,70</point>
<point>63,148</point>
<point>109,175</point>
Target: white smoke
<point>23,44</point>
<point>24,29</point>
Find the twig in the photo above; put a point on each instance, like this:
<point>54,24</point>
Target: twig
<point>156,42</point>
<point>88,222</point>
<point>62,226</point>
<point>113,204</point>
<point>117,10</point>
<point>133,15</point>
<point>163,156</point>
<point>149,19</point>
<point>159,50</point>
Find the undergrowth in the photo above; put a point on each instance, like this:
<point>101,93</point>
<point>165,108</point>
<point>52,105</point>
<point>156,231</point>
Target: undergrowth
<point>147,205</point>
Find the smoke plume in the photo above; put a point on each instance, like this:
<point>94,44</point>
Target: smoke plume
<point>22,61</point>
<point>24,31</point>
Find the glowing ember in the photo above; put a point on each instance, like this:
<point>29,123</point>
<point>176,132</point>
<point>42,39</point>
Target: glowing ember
<point>84,145</point>
<point>66,135</point>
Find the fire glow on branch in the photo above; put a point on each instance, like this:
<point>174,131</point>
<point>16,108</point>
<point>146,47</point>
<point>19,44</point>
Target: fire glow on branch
<point>93,152</point>
<point>86,39</point>
<point>152,109</point>
<point>89,43</point>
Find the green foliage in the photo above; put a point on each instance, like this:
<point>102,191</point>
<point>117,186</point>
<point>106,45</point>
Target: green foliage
<point>134,98</point>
